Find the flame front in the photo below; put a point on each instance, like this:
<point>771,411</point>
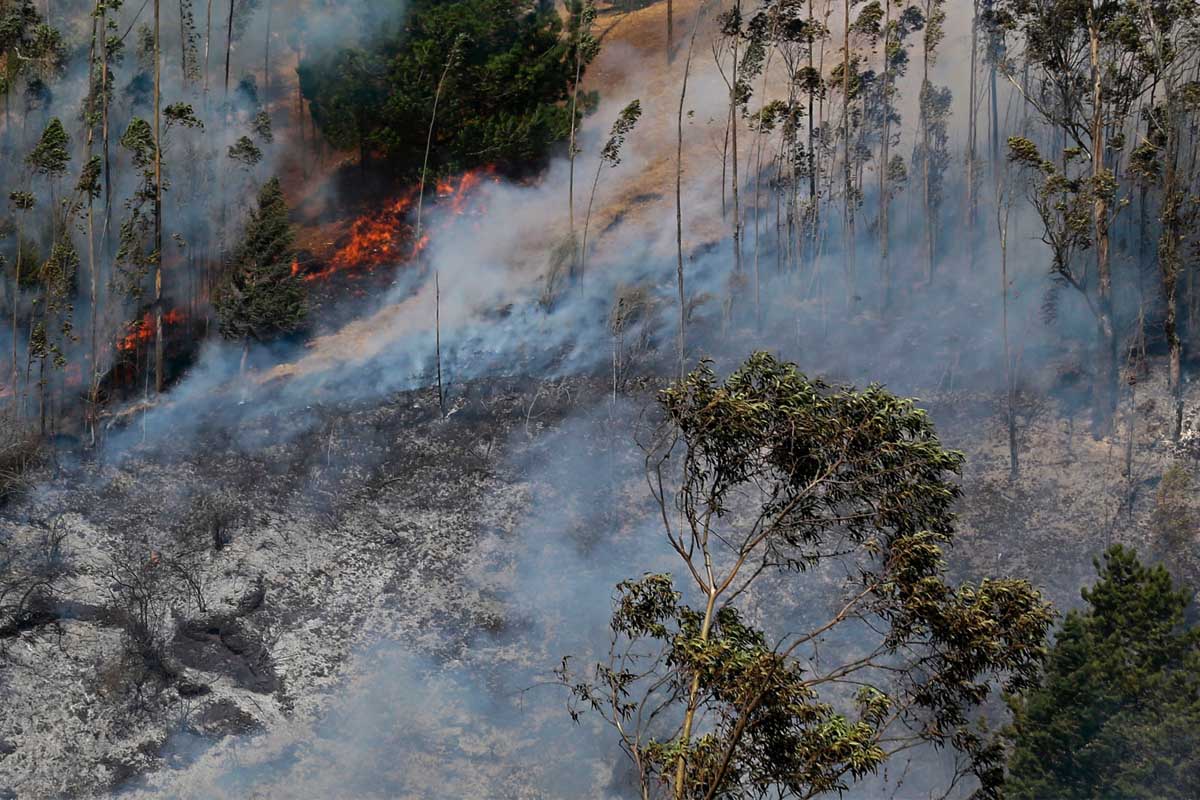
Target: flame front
<point>383,237</point>
<point>141,331</point>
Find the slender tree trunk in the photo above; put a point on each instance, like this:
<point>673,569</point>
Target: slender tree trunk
<point>228,46</point>
<point>183,49</point>
<point>104,129</point>
<point>437,286</point>
<point>1003,205</point>
<point>994,128</point>
<point>972,126</point>
<point>1169,260</point>
<point>572,147</point>
<point>725,165</point>
<point>848,188</point>
<point>733,134</point>
<point>437,339</point>
<point>758,153</point>
<point>927,153</point>
<point>693,700</point>
<point>93,361</point>
<point>812,216</point>
<point>1107,404</point>
<point>884,145</point>
<point>16,303</point>
<point>207,46</point>
<point>158,221</point>
<point>267,57</point>
<point>670,30</point>
<point>687,67</point>
<point>42,396</point>
<point>587,221</point>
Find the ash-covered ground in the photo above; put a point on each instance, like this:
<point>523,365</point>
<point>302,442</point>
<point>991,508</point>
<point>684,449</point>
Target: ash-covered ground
<point>371,602</point>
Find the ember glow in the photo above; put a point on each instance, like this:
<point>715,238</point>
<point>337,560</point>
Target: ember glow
<point>141,330</point>
<point>383,236</point>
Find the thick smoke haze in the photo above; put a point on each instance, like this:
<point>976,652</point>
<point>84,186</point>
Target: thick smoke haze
<point>474,713</point>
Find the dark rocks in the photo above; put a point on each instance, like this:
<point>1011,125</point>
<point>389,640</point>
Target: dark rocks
<point>223,718</point>
<point>226,647</point>
<point>191,688</point>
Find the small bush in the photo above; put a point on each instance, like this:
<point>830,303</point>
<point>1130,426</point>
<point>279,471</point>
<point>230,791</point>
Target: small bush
<point>1174,518</point>
<point>20,454</point>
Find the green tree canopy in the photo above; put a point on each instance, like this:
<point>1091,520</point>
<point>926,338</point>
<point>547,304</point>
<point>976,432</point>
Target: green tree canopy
<point>1117,713</point>
<point>730,679</point>
<point>504,103</point>
<point>50,156</point>
<point>260,297</point>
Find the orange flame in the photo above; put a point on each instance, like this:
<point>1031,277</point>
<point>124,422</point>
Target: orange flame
<point>383,236</point>
<point>141,330</point>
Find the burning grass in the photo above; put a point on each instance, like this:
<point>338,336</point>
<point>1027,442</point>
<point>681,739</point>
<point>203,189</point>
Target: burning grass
<point>141,331</point>
<point>384,236</point>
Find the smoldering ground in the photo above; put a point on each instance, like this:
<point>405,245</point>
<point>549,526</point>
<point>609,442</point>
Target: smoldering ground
<point>453,701</point>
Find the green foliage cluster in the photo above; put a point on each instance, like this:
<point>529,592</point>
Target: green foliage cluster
<point>769,472</point>
<point>260,298</point>
<point>1174,518</point>
<point>1117,714</point>
<point>504,102</point>
<point>50,157</point>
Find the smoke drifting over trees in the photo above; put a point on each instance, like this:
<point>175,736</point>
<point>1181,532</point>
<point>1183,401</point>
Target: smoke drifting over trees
<point>332,328</point>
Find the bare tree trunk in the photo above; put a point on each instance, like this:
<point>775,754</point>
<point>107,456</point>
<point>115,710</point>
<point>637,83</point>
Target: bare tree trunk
<point>758,152</point>
<point>572,146</point>
<point>848,188</point>
<point>228,46</point>
<point>207,46</point>
<point>994,129</point>
<point>884,145</point>
<point>733,133</point>
<point>926,155</point>
<point>437,286</point>
<point>104,129</point>
<point>725,165</point>
<point>16,304</point>
<point>670,30</point>
<point>693,701</point>
<point>1003,206</point>
<point>972,128</point>
<point>437,339</point>
<point>1169,259</point>
<point>1107,404</point>
<point>813,177</point>
<point>93,361</point>
<point>687,67</point>
<point>158,221</point>
<point>267,57</point>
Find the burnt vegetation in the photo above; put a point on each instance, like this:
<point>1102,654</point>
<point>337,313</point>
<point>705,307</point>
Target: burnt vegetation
<point>465,329</point>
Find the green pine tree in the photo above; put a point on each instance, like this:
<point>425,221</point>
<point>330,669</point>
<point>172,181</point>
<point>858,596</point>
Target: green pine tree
<point>50,157</point>
<point>1117,714</point>
<point>260,297</point>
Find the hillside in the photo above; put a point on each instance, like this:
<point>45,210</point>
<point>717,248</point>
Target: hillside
<point>355,557</point>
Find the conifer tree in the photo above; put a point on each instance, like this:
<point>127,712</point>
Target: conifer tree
<point>50,158</point>
<point>260,298</point>
<point>1117,713</point>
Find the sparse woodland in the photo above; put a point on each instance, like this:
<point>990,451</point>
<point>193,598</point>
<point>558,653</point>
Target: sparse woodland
<point>518,336</point>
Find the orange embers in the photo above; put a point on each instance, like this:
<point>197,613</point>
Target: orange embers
<point>141,330</point>
<point>384,236</point>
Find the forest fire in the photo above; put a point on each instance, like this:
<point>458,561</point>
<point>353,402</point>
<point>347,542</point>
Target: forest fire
<point>141,331</point>
<point>384,236</point>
